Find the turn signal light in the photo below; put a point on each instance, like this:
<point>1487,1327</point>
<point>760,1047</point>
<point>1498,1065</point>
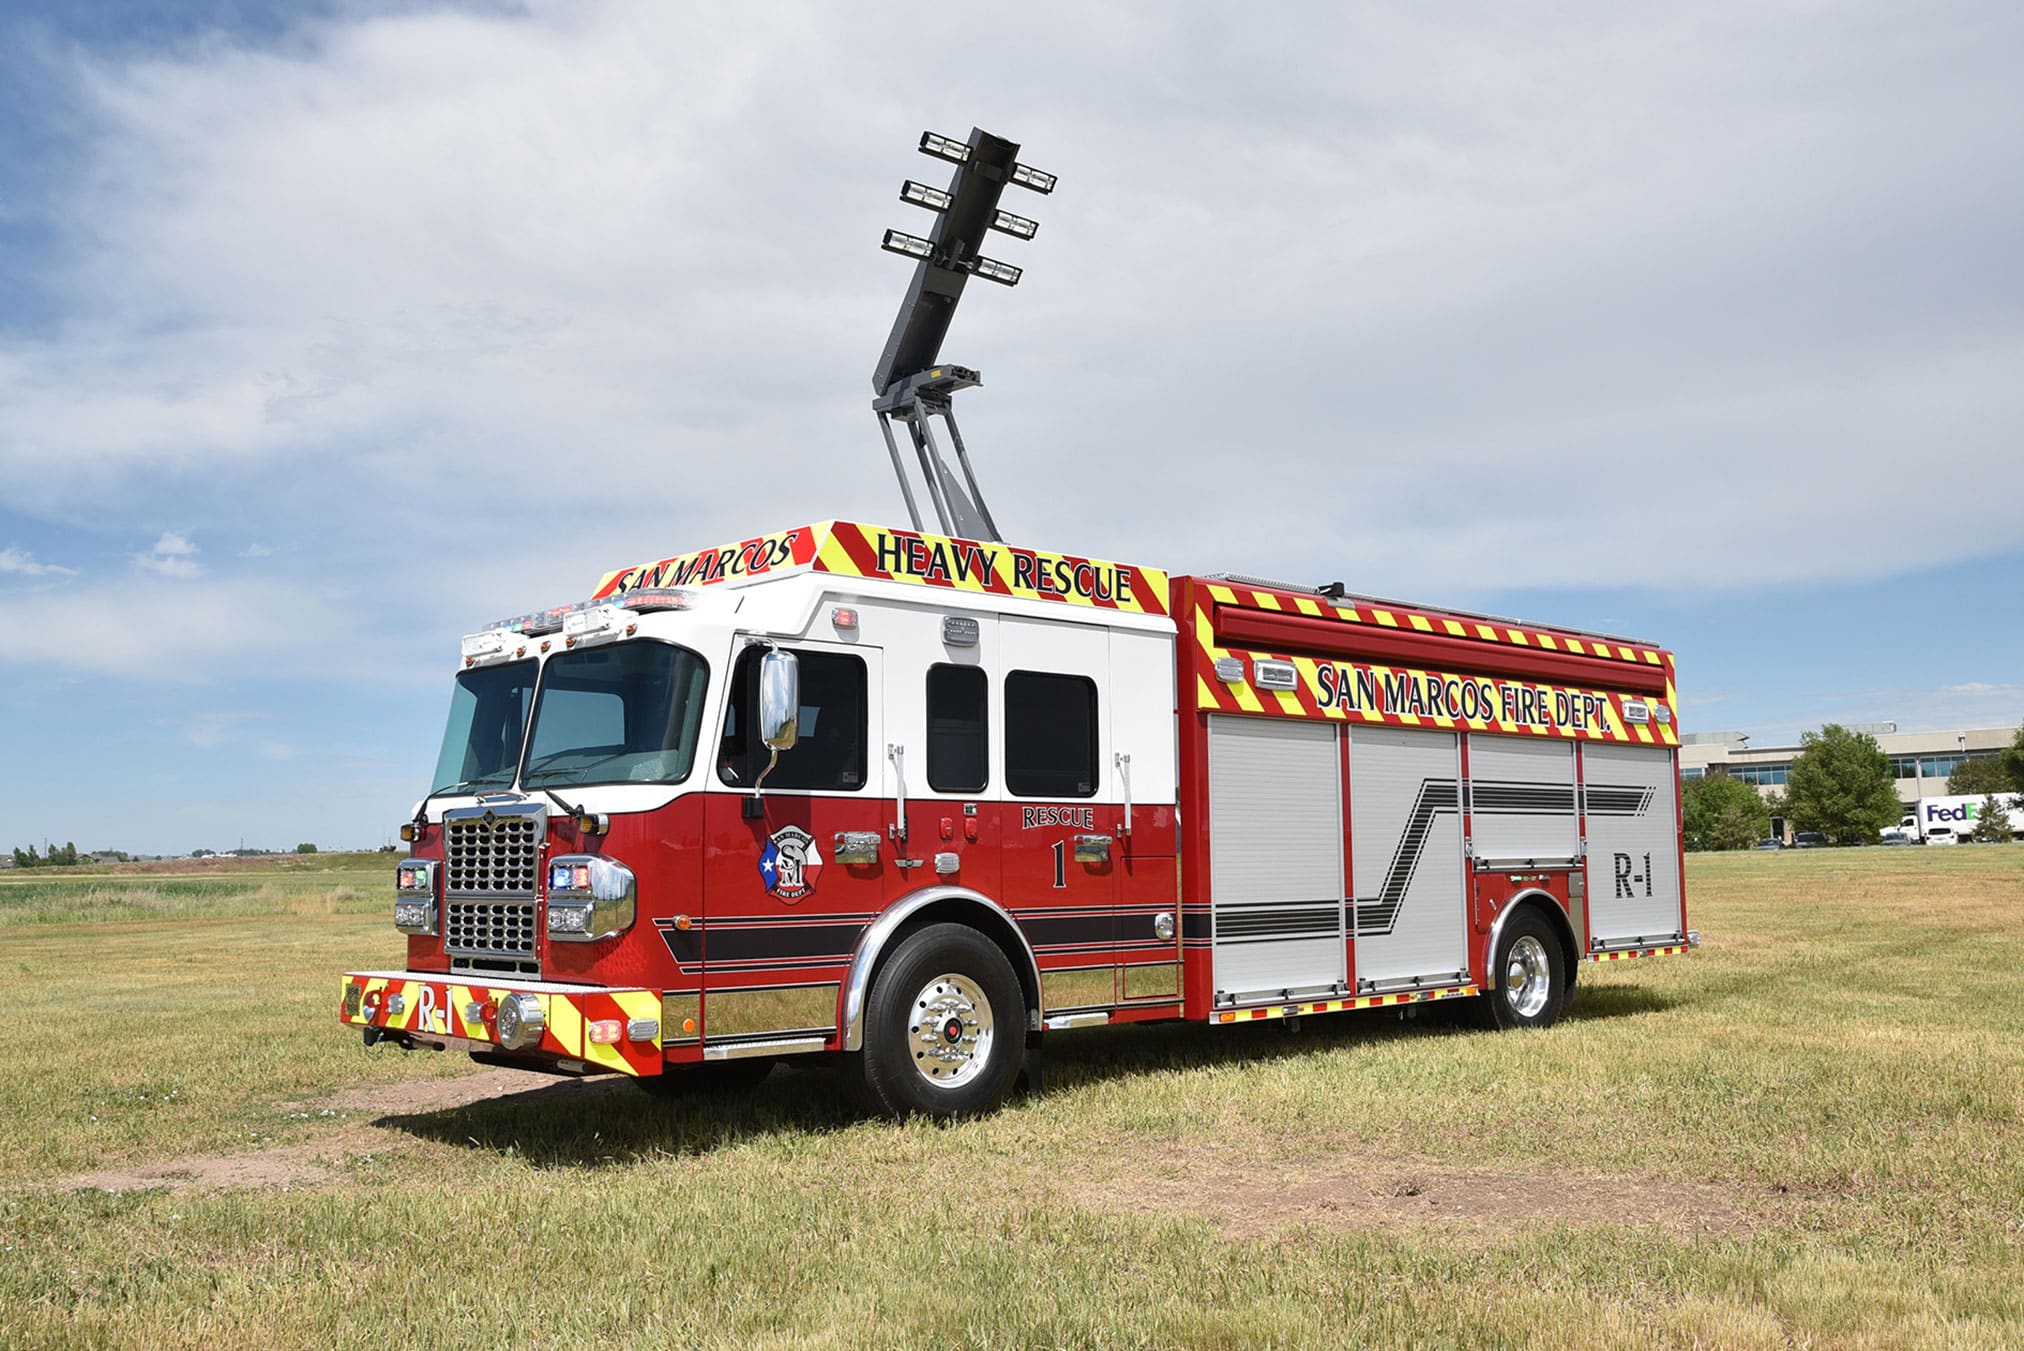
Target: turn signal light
<point>605,1032</point>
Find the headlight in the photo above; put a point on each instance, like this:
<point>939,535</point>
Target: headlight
<point>589,898</point>
<point>520,1020</point>
<point>415,896</point>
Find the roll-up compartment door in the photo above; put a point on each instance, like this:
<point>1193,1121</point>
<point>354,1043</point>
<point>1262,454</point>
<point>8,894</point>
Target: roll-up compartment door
<point>1406,840</point>
<point>1521,800</point>
<point>1275,858</point>
<point>1633,844</point>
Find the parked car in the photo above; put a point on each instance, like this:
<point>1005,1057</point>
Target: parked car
<point>1941,835</point>
<point>1809,839</point>
<point>1769,842</point>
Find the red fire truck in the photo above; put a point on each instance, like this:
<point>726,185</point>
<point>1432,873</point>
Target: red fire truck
<point>911,800</point>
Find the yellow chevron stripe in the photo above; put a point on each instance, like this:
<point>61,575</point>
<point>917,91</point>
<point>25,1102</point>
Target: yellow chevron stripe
<point>1266,600</point>
<point>1307,605</point>
<point>565,1023</point>
<point>1455,629</point>
<point>1223,594</point>
<point>1421,623</point>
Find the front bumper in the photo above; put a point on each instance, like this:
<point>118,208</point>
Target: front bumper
<point>431,1008</point>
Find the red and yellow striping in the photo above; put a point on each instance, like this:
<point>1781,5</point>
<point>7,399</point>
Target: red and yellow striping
<point>846,549</point>
<point>1377,1001</point>
<point>1674,951</point>
<point>1310,698</point>
<point>445,1008</point>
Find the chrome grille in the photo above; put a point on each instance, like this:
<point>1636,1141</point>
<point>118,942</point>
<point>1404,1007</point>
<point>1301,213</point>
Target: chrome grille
<point>492,854</point>
<point>490,928</point>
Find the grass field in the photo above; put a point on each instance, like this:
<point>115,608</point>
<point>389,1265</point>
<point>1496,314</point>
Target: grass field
<point>1810,1132</point>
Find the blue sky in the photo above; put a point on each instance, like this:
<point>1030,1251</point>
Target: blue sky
<point>328,332</point>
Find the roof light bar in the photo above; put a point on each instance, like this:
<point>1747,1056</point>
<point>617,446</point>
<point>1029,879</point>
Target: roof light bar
<point>920,194</point>
<point>1017,226</point>
<point>942,147</point>
<point>990,269</point>
<point>1026,176</point>
<point>655,598</point>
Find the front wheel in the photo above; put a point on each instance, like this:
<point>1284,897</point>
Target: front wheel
<point>1531,969</point>
<point>945,1029</point>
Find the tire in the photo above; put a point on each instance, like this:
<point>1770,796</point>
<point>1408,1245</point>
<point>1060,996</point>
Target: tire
<point>711,1076</point>
<point>1531,968</point>
<point>945,1029</point>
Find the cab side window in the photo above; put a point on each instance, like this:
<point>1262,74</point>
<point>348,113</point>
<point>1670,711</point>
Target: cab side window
<point>829,753</point>
<point>1050,735</point>
<point>956,729</point>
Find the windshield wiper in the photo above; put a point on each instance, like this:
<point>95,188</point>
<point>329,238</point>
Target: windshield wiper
<point>422,810</point>
<point>557,799</point>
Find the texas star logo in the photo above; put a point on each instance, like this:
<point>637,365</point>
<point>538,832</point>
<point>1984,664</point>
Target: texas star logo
<point>790,863</point>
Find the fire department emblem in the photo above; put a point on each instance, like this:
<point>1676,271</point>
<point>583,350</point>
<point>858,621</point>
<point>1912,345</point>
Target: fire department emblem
<point>790,863</point>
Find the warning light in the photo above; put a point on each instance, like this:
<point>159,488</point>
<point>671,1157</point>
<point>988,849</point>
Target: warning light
<point>605,1032</point>
<point>843,617</point>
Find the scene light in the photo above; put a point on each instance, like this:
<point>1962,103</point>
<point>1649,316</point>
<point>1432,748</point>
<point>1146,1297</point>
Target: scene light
<point>920,194</point>
<point>941,147</point>
<point>990,269</point>
<point>913,246</point>
<point>1017,226</point>
<point>1026,176</point>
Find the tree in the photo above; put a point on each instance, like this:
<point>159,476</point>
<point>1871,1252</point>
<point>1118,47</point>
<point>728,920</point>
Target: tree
<point>1992,822</point>
<point>1841,785</point>
<point>1721,812</point>
<point>1983,774</point>
<point>2012,760</point>
<point>305,848</point>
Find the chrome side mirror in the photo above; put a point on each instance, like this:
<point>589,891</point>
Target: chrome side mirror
<point>779,700</point>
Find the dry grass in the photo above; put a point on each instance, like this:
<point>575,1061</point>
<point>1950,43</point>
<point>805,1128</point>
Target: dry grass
<point>1809,1132</point>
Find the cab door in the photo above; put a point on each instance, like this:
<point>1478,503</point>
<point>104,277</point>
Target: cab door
<point>938,759</point>
<point>785,895</point>
<point>1060,815</point>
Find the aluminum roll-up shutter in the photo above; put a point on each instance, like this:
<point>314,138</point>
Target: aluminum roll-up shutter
<point>1521,800</point>
<point>1406,840</point>
<point>1275,857</point>
<point>1633,844</point>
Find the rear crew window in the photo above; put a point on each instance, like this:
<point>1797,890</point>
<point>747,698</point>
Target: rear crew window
<point>956,729</point>
<point>1050,735</point>
<point>829,752</point>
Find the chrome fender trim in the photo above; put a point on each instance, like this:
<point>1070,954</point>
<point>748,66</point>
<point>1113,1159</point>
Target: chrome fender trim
<point>1492,977</point>
<point>857,986</point>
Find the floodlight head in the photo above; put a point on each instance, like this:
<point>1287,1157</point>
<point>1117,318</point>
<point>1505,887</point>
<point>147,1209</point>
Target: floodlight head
<point>942,147</point>
<point>1017,226</point>
<point>920,194</point>
<point>990,269</point>
<point>1026,176</point>
<point>913,246</point>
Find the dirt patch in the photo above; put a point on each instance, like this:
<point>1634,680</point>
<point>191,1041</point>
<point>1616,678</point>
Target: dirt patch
<point>1263,1197</point>
<point>301,1165</point>
<point>279,1169</point>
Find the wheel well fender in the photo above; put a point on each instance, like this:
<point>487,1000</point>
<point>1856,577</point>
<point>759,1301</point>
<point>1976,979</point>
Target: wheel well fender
<point>935,905</point>
<point>1547,904</point>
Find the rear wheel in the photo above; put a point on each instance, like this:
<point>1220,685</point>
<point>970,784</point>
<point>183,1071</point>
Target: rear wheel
<point>945,1029</point>
<point>1531,967</point>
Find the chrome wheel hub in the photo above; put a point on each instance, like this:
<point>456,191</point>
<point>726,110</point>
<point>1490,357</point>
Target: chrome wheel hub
<point>951,1031</point>
<point>1528,977</point>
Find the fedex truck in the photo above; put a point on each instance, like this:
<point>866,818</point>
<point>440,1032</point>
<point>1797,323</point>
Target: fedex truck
<point>909,801</point>
<point>1937,820</point>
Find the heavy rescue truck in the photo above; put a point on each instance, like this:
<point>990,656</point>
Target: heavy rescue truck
<point>912,800</point>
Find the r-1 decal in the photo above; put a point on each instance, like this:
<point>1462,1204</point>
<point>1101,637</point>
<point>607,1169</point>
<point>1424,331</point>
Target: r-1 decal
<point>1625,877</point>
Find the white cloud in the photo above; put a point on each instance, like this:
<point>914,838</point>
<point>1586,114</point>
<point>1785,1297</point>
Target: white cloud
<point>256,550</point>
<point>20,563</point>
<point>171,556</point>
<point>277,750</point>
<point>1417,299</point>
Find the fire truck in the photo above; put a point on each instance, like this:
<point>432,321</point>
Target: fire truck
<point>909,800</point>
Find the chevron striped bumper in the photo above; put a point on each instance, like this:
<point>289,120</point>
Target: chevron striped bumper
<point>614,1030</point>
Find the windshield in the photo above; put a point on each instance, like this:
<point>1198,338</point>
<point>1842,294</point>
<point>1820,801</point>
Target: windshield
<point>488,717</point>
<point>624,714</point>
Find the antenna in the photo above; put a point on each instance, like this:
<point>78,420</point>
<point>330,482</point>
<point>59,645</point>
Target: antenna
<point>911,383</point>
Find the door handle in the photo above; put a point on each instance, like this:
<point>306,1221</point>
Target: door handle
<point>898,755</point>
<point>1124,772</point>
<point>1092,849</point>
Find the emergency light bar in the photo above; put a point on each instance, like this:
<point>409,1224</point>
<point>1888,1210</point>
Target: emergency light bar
<point>649,598</point>
<point>920,194</point>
